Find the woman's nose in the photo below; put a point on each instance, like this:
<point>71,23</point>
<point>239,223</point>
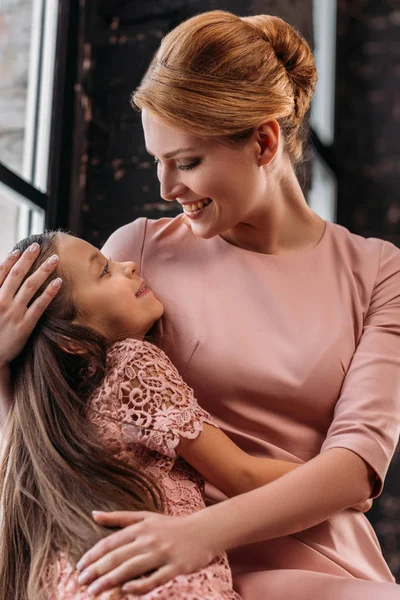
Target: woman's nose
<point>170,187</point>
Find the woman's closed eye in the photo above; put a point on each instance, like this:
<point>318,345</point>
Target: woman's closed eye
<point>183,167</point>
<point>189,166</point>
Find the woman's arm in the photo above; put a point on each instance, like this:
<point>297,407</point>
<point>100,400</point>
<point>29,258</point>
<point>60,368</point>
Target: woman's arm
<point>17,319</point>
<point>301,499</point>
<point>330,482</point>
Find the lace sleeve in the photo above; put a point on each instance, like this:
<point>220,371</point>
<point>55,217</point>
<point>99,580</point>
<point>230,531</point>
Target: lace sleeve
<point>154,404</point>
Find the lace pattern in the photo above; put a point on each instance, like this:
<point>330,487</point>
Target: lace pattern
<point>149,398</point>
<point>212,583</point>
<point>141,410</point>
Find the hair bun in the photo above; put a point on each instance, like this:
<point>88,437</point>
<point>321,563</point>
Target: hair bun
<point>292,50</point>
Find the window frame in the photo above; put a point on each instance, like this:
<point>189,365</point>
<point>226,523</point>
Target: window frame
<point>322,196</point>
<point>55,199</point>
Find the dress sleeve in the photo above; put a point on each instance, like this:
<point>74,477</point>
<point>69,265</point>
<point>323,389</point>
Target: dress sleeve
<point>126,243</point>
<point>155,407</point>
<point>367,414</point>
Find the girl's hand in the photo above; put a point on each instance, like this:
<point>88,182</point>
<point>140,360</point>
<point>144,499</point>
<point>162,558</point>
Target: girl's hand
<point>17,321</point>
<point>160,545</point>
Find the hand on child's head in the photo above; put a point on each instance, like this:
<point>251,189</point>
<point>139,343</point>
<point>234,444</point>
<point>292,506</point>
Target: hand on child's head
<point>19,282</point>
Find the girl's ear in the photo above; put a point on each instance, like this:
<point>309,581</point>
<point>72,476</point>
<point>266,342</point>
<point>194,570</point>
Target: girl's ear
<point>72,347</point>
<point>268,138</point>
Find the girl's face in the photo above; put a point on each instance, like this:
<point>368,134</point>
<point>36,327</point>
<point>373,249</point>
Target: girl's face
<point>218,186</point>
<point>110,296</point>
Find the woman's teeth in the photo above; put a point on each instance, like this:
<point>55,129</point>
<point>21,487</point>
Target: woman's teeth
<point>196,205</point>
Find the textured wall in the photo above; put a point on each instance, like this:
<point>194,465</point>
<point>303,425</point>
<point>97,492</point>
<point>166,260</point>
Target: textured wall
<point>118,180</point>
<point>368,116</point>
<point>367,152</point>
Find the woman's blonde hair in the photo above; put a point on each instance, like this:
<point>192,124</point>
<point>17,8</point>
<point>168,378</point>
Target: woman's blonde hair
<point>219,76</point>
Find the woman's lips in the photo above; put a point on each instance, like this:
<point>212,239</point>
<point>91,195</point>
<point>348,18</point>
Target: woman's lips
<point>197,213</point>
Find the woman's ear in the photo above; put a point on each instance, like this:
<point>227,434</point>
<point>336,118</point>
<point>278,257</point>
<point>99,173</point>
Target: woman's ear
<point>268,137</point>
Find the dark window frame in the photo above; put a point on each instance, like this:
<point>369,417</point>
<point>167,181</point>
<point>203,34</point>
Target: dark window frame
<point>55,201</point>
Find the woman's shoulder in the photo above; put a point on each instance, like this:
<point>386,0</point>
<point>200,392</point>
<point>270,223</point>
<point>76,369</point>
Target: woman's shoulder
<point>369,252</point>
<point>127,242</point>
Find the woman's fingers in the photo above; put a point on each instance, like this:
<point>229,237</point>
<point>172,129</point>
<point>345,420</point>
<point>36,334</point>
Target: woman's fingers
<point>18,271</point>
<point>7,264</point>
<point>119,518</point>
<point>29,288</point>
<point>110,562</point>
<point>147,584</point>
<point>159,543</point>
<point>107,545</point>
<point>38,307</point>
<point>17,320</point>
<point>127,570</point>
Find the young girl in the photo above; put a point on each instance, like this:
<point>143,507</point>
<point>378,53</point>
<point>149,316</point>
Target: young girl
<point>101,419</point>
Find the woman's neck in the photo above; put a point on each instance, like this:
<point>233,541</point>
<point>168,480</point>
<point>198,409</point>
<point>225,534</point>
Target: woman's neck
<point>282,224</point>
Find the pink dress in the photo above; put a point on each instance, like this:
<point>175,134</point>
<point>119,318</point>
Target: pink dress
<point>141,411</point>
<point>292,355</point>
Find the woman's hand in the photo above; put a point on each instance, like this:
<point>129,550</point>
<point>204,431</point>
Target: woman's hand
<point>17,321</point>
<point>152,543</point>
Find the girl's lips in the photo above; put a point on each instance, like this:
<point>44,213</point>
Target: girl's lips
<point>143,290</point>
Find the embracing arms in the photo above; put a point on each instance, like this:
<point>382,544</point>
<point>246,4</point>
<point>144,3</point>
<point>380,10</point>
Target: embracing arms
<point>294,499</point>
<point>329,483</point>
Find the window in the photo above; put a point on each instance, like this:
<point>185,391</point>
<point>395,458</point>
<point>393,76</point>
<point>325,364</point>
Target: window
<point>322,196</point>
<point>28,31</point>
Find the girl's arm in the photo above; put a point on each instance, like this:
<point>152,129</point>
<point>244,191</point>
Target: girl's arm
<point>230,469</point>
<point>226,466</point>
<point>17,319</point>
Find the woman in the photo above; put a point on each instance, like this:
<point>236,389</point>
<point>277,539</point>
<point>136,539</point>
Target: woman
<point>287,327</point>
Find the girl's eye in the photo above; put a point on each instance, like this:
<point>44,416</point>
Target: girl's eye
<point>105,270</point>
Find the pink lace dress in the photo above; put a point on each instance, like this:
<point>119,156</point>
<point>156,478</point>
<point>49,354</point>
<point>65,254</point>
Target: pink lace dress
<point>141,410</point>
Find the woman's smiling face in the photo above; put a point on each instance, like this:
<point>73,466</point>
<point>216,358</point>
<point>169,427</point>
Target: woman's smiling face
<point>111,298</point>
<point>218,185</point>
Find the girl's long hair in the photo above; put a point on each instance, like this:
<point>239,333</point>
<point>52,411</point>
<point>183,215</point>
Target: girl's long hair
<point>53,470</point>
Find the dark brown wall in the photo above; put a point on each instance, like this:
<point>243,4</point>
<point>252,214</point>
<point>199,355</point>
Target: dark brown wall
<point>367,152</point>
<point>368,116</point>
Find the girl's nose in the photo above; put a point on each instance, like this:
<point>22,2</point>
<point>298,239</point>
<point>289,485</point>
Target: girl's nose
<point>129,267</point>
